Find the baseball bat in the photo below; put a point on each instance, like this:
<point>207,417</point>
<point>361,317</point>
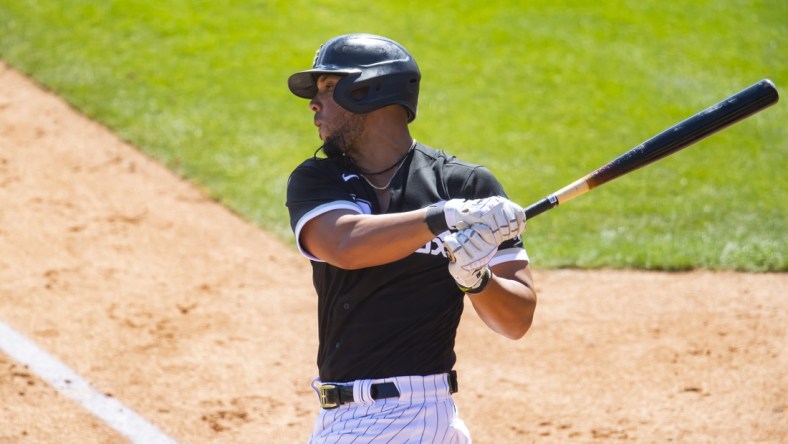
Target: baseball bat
<point>694,129</point>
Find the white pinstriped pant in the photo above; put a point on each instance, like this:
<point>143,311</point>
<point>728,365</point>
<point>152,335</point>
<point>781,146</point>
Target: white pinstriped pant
<point>423,413</point>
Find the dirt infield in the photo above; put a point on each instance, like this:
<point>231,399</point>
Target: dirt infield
<point>206,326</point>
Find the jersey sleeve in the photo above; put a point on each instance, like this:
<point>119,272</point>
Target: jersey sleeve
<point>313,190</point>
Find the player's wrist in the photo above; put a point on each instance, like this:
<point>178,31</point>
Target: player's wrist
<point>480,285</point>
<point>436,218</point>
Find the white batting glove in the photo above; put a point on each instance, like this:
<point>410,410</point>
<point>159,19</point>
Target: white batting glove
<point>505,218</point>
<point>470,251</point>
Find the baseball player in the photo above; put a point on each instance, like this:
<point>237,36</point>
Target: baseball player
<point>396,232</point>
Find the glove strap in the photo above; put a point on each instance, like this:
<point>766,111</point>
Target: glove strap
<point>436,219</point>
<point>480,287</point>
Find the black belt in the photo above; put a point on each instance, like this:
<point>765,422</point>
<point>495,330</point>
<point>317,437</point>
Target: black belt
<point>332,396</point>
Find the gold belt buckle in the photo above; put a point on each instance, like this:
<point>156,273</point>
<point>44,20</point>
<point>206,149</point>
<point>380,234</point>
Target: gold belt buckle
<point>329,396</point>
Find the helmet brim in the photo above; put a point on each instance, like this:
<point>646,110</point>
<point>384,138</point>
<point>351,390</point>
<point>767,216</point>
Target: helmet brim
<point>304,84</point>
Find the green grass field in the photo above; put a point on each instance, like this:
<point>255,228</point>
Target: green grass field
<point>540,93</point>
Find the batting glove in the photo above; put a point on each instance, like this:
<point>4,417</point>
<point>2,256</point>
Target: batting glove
<point>505,218</point>
<point>470,251</point>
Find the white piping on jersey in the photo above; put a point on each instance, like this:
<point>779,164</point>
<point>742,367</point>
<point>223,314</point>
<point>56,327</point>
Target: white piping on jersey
<point>317,211</point>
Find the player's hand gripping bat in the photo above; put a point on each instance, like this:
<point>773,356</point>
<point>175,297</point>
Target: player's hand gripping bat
<point>718,117</point>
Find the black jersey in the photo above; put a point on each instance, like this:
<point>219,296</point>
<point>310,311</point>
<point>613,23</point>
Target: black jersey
<point>399,318</point>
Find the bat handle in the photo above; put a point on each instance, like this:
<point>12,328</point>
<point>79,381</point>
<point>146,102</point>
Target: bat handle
<point>540,207</point>
<point>565,194</point>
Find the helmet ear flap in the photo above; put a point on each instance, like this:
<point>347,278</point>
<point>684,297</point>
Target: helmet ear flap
<point>348,92</point>
<point>359,94</point>
<point>363,96</point>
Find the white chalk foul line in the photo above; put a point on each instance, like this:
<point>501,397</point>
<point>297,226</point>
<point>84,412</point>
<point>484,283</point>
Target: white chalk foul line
<point>69,383</point>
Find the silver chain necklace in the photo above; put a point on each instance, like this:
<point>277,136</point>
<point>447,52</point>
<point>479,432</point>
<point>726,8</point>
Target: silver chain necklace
<point>391,179</point>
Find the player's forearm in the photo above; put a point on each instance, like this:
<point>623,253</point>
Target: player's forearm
<point>380,239</point>
<point>507,304</point>
<point>359,241</point>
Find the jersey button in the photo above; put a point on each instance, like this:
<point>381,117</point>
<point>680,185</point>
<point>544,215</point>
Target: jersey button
<point>336,345</point>
<point>346,306</point>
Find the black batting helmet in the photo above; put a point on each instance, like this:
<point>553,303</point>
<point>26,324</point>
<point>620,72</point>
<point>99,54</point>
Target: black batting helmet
<point>376,71</point>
